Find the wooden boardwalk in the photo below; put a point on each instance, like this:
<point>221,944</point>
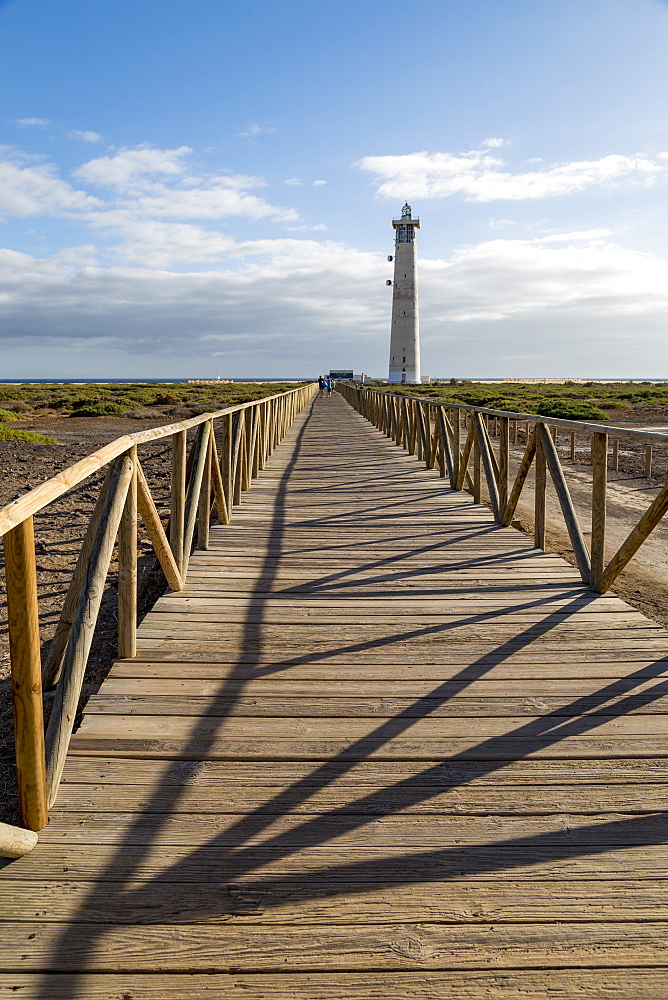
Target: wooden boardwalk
<point>379,747</point>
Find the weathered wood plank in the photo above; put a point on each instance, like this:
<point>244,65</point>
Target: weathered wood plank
<point>333,904</point>
<point>389,946</point>
<point>597,984</point>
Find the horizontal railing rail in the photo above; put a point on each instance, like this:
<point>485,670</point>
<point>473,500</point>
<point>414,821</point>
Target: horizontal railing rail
<point>212,473</point>
<point>457,438</point>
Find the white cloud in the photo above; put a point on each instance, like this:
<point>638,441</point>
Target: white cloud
<point>501,223</point>
<point>319,183</point>
<point>85,135</point>
<point>130,165</point>
<point>479,176</point>
<point>160,184</point>
<point>32,122</point>
<point>28,188</point>
<point>253,130</point>
<point>293,182</point>
<point>493,143</point>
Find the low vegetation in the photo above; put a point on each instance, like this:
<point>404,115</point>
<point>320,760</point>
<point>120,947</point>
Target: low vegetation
<point>570,400</point>
<point>175,401</point>
<point>12,434</point>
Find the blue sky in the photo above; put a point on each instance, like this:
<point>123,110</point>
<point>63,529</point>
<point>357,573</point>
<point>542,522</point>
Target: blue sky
<point>195,188</point>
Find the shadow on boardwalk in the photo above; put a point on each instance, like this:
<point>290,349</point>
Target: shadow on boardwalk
<point>244,847</point>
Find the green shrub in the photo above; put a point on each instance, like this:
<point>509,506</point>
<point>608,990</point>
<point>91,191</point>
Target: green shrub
<point>7,434</point>
<point>165,399</point>
<point>570,409</point>
<point>6,415</point>
<point>99,410</point>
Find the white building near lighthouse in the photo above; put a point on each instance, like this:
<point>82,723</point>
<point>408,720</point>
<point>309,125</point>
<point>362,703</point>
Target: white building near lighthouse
<point>405,332</point>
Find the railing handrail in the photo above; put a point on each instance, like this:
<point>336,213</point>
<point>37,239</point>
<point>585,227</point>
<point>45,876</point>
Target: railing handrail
<point>41,496</point>
<point>570,425</point>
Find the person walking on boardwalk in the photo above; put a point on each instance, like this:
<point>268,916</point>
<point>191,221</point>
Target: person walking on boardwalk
<point>329,386</point>
<point>322,385</point>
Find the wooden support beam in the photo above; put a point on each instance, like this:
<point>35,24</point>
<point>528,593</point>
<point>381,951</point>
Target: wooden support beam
<point>486,454</point>
<point>615,455</point>
<point>178,501</point>
<point>464,461</point>
<point>599,461</point>
<point>218,486</point>
<point>194,487</point>
<point>238,448</point>
<point>563,494</point>
<point>477,493</point>
<point>156,533</point>
<point>204,508</point>
<point>445,432</point>
<point>54,661</point>
<point>127,568</point>
<point>520,479</point>
<point>26,673</point>
<point>67,694</point>
<point>630,546</point>
<point>504,464</point>
<point>540,492</point>
<point>456,446</point>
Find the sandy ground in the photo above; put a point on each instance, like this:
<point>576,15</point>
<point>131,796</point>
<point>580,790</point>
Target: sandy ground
<point>60,528</point>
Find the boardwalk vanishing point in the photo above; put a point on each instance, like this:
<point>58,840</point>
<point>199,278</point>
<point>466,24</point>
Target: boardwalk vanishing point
<point>378,747</point>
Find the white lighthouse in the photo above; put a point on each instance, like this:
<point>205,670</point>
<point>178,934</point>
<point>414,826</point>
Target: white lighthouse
<point>405,332</point>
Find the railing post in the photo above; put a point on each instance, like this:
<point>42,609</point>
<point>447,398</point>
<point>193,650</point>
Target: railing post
<point>504,452</point>
<point>204,511</point>
<point>476,470</point>
<point>456,442</point>
<point>572,455</point>
<point>23,615</point>
<point>127,568</point>
<point>599,461</point>
<point>540,493</point>
<point>615,455</point>
<point>239,444</point>
<point>648,461</point>
<point>178,501</point>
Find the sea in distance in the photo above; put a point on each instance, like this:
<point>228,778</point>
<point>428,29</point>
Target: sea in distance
<point>303,378</point>
<point>140,381</point>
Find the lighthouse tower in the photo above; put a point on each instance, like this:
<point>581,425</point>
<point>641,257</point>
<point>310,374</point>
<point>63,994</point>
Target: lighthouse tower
<point>405,333</point>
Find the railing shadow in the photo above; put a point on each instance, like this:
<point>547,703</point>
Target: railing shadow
<point>245,845</point>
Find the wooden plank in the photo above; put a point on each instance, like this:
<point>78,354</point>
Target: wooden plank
<point>421,728</point>
<point>357,800</point>
<point>323,705</point>
<point>265,748</point>
<point>497,694</point>
<point>135,771</point>
<point>389,946</point>
<point>597,984</point>
<point>320,902</point>
<point>388,865</point>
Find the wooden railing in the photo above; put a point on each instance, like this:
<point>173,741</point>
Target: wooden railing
<point>249,433</point>
<point>458,440</point>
